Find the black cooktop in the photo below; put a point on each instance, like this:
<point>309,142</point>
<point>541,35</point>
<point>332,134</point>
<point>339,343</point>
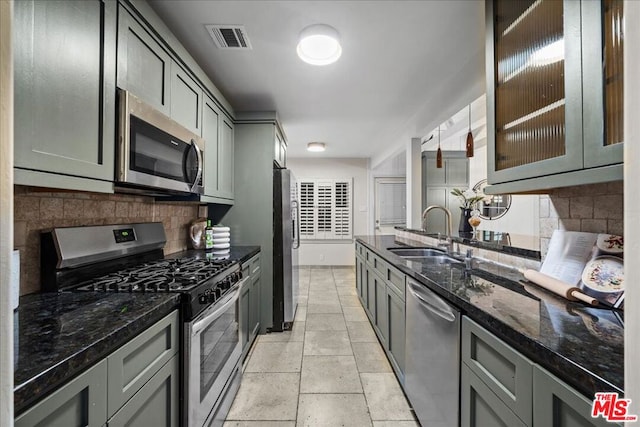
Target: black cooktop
<point>164,275</point>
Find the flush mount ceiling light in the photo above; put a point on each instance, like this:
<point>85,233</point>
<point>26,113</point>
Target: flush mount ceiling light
<point>319,45</point>
<point>316,146</point>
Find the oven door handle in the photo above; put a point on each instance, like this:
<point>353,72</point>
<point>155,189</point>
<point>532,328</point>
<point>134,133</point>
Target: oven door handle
<point>208,319</point>
<point>198,151</point>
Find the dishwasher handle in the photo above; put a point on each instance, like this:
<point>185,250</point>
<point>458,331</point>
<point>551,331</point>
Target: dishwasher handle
<point>446,313</point>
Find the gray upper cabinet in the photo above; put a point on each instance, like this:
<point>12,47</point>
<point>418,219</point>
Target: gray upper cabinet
<point>554,94</point>
<point>211,119</point>
<point>280,151</point>
<point>217,132</point>
<point>186,100</point>
<point>225,159</point>
<point>144,67</point>
<point>65,92</point>
<point>81,402</point>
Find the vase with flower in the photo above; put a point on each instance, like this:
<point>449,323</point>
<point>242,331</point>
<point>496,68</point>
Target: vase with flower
<point>468,199</point>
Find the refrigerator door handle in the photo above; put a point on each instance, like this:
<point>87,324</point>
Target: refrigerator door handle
<point>296,241</point>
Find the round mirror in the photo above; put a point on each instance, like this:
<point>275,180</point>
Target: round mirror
<point>496,207</point>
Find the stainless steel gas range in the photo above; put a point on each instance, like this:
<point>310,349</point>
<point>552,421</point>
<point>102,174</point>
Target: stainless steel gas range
<point>130,258</point>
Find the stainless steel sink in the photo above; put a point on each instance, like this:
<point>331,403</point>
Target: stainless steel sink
<point>424,255</point>
<point>416,252</point>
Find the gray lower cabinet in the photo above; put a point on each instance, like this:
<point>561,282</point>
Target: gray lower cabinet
<point>249,303</point>
<point>380,319</point>
<point>381,289</point>
<point>144,67</point>
<point>157,403</point>
<point>136,385</point>
<point>254,300</point>
<point>65,93</point>
<point>370,295</point>
<point>133,364</point>
<point>81,402</point>
<point>504,370</point>
<point>396,327</point>
<point>360,273</point>
<point>501,387</point>
<point>557,404</point>
<point>480,407</point>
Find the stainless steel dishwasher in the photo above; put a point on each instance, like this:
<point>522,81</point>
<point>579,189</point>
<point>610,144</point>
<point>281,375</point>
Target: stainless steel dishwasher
<point>432,370</point>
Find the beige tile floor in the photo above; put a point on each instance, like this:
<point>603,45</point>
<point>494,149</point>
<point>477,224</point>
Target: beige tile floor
<point>329,370</point>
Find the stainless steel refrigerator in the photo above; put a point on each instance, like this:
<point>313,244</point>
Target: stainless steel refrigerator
<point>286,241</point>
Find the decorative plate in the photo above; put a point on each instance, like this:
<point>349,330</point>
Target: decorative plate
<point>604,274</point>
<point>611,244</point>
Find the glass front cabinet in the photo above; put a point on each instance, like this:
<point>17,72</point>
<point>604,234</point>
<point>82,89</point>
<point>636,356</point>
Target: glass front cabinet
<point>555,93</point>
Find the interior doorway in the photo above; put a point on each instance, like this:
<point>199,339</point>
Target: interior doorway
<point>390,207</point>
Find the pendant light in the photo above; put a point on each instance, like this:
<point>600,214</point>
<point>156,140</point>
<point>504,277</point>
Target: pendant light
<point>439,153</point>
<point>469,137</point>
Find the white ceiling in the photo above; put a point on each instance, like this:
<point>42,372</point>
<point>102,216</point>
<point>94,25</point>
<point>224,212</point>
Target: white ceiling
<point>406,66</point>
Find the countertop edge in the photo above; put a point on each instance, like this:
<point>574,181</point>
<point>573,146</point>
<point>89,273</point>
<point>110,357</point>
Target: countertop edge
<point>561,366</point>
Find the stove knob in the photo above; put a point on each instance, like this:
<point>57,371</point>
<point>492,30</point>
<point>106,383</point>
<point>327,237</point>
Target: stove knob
<point>218,292</point>
<point>202,298</point>
<point>212,298</point>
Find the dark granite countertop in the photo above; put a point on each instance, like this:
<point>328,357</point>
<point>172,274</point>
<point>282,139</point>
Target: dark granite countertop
<point>59,335</point>
<point>583,346</point>
<point>508,243</point>
<point>237,253</point>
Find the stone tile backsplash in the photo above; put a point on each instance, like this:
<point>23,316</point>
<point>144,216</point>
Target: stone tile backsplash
<point>35,210</point>
<point>595,208</point>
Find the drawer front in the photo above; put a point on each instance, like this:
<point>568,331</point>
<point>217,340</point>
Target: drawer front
<point>81,402</point>
<point>505,371</point>
<point>133,364</point>
<point>255,265</point>
<point>360,250</point>
<point>396,281</point>
<point>368,256</point>
<point>480,407</point>
<point>379,265</point>
<point>157,403</point>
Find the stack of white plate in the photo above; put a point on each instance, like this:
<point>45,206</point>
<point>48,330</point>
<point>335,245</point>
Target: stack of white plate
<point>221,241</point>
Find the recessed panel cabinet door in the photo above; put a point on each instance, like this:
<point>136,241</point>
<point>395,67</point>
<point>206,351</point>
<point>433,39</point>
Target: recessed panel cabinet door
<point>144,68</point>
<point>211,119</point>
<point>397,326</point>
<point>157,404</point>
<point>81,402</point>
<point>225,161</point>
<point>186,100</point>
<point>556,404</point>
<point>65,87</point>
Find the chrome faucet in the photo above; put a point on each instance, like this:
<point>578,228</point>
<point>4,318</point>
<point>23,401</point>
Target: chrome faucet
<point>447,213</point>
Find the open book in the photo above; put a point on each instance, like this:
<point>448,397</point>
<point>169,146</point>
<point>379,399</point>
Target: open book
<point>593,262</point>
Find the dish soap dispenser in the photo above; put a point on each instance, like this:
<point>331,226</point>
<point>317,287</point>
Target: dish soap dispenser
<point>208,236</point>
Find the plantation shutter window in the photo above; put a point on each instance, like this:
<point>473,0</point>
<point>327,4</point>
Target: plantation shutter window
<point>326,209</point>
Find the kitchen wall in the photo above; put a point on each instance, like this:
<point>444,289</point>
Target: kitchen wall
<point>522,216</point>
<point>35,210</point>
<point>595,208</point>
<point>332,253</point>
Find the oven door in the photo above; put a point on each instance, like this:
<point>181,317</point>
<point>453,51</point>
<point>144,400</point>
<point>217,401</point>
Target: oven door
<point>155,151</point>
<point>213,351</point>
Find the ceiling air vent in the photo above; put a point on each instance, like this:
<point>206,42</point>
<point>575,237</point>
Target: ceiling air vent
<point>229,36</point>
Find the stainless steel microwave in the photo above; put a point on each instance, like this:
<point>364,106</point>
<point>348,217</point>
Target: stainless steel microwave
<point>155,152</point>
